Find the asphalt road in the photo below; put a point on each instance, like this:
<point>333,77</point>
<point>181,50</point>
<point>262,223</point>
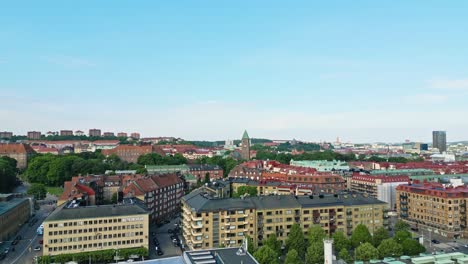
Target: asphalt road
<point>24,250</point>
<point>165,241</point>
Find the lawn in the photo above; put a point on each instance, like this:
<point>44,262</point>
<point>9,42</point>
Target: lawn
<point>57,191</point>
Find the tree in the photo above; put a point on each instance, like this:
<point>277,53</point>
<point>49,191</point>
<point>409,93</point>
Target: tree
<point>250,244</point>
<point>360,235</point>
<point>296,240</point>
<point>341,241</point>
<point>314,253</point>
<point>251,190</point>
<point>38,190</point>
<point>380,234</point>
<point>366,252</point>
<point>114,197</point>
<point>207,178</point>
<point>411,247</point>
<point>389,248</point>
<point>401,225</point>
<point>401,236</point>
<point>273,243</point>
<point>315,234</point>
<point>266,255</point>
<point>345,256</point>
<point>7,174</point>
<point>292,257</point>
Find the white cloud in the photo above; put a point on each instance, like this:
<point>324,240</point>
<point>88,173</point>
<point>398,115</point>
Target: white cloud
<point>449,84</point>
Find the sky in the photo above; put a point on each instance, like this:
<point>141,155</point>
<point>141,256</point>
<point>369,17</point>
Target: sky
<point>363,71</point>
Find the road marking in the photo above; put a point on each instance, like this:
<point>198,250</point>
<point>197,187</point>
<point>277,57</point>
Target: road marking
<point>26,248</point>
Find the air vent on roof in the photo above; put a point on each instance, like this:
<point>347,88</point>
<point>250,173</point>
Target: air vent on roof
<point>311,196</point>
<point>321,196</point>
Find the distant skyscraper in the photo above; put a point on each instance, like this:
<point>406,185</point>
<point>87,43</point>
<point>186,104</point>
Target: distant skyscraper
<point>439,140</point>
<point>245,149</point>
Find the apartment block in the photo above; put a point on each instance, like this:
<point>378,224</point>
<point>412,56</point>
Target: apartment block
<point>66,132</point>
<point>437,208</point>
<point>199,171</point>
<point>135,135</point>
<point>14,211</point>
<point>6,135</point>
<point>212,222</point>
<point>34,135</point>
<point>94,132</point>
<point>379,186</point>
<point>19,152</point>
<point>129,153</point>
<point>71,229</point>
<point>108,134</point>
<point>122,134</point>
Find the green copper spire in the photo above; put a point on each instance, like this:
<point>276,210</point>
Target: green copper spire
<point>245,135</point>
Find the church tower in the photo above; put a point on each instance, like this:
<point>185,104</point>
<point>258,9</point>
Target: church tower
<point>245,148</point>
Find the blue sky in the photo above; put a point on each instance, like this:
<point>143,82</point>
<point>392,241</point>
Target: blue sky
<point>361,70</point>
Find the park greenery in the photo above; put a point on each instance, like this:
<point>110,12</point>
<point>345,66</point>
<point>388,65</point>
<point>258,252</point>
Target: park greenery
<point>38,190</point>
<point>360,246</point>
<point>7,174</point>
<point>156,159</point>
<point>242,190</point>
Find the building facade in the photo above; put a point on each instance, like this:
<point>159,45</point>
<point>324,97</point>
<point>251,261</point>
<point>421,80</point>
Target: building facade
<point>34,135</point>
<point>199,171</point>
<point>128,153</point>
<point>439,140</point>
<point>71,229</point>
<point>122,134</point>
<point>19,152</point>
<point>245,147</point>
<point>321,165</point>
<point>6,135</point>
<point>14,212</point>
<point>161,194</point>
<point>135,135</point>
<point>94,132</point>
<point>210,223</point>
<point>434,207</point>
<point>66,132</point>
<point>380,187</point>
<point>108,134</point>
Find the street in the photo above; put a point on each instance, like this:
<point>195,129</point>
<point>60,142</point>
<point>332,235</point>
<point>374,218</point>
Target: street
<point>165,242</point>
<point>24,251</point>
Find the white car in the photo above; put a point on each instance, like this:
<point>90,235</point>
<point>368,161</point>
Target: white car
<point>466,246</point>
<point>38,248</point>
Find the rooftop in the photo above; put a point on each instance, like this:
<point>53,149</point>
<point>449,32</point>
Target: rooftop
<point>98,211</point>
<point>6,206</point>
<point>218,256</point>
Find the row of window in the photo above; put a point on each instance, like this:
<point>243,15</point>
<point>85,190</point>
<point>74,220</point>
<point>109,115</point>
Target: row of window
<point>96,237</point>
<point>100,229</point>
<point>95,245</point>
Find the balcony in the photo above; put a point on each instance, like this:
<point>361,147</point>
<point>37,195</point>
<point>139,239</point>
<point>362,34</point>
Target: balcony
<point>405,215</point>
<point>404,208</point>
<point>195,225</point>
<point>196,233</point>
<point>403,196</point>
<point>403,202</point>
<point>196,218</point>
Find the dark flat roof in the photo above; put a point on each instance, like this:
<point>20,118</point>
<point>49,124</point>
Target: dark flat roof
<point>219,256</point>
<point>98,211</point>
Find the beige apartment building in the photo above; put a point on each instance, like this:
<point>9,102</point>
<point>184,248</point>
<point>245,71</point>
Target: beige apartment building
<point>434,207</point>
<point>212,222</point>
<point>72,229</point>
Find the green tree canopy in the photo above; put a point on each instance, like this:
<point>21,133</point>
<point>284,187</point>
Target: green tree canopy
<point>366,252</point>
<point>390,248</point>
<point>38,191</point>
<point>314,253</point>
<point>266,255</point>
<point>401,236</point>
<point>315,234</point>
<point>273,243</point>
<point>401,225</point>
<point>7,174</point>
<point>360,236</point>
<point>296,240</point>
<point>340,241</point>
<point>292,257</point>
<point>379,235</point>
<point>251,190</point>
<point>250,244</point>
<point>411,247</point>
<point>344,255</point>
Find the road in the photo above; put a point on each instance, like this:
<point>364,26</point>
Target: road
<point>24,250</point>
<point>165,241</point>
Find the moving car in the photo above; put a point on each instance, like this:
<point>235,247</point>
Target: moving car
<point>37,248</point>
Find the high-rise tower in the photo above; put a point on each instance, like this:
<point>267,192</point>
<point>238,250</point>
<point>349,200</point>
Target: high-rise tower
<point>245,148</point>
<point>439,140</point>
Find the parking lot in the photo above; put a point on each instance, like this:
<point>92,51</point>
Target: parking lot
<point>166,245</point>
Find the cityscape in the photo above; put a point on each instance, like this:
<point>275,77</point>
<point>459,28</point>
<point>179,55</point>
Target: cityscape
<point>257,132</point>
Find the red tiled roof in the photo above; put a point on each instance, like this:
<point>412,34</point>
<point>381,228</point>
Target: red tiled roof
<point>166,180</point>
<point>15,148</point>
<point>383,178</point>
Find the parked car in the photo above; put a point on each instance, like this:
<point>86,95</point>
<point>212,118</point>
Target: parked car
<point>159,252</point>
<point>435,241</point>
<point>6,251</point>
<point>37,248</point>
<point>170,231</point>
<point>166,222</point>
<point>466,246</point>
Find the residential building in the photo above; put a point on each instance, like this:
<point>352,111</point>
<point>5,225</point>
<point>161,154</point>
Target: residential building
<point>17,151</point>
<point>129,153</point>
<point>321,165</point>
<point>105,144</point>
<point>201,170</point>
<point>379,186</point>
<point>108,134</point>
<point>94,132</point>
<point>245,146</point>
<point>75,229</point>
<point>439,140</point>
<point>66,132</point>
<point>79,133</point>
<point>434,207</point>
<point>209,222</point>
<point>34,135</point>
<point>163,169</point>
<point>122,134</point>
<point>135,135</point>
<point>45,150</point>
<point>77,191</point>
<point>14,212</point>
<point>6,135</point>
<point>161,194</point>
